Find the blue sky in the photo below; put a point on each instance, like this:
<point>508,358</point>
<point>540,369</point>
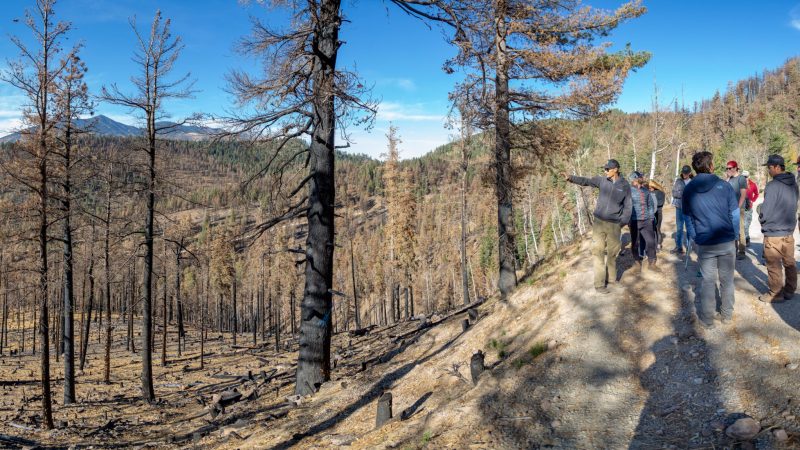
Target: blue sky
<point>697,46</point>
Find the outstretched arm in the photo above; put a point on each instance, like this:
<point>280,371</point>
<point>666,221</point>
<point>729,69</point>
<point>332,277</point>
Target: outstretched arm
<point>583,181</point>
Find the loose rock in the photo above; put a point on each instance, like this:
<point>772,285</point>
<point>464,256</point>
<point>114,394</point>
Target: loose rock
<point>745,429</point>
<point>780,435</point>
<point>792,366</point>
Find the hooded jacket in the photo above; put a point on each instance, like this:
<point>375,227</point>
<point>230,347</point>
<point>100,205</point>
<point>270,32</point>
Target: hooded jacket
<point>614,202</point>
<point>778,214</point>
<point>712,212</point>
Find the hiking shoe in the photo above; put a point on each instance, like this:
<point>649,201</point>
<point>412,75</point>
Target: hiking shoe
<point>788,296</point>
<point>677,251</point>
<point>725,320</point>
<point>766,298</point>
<point>706,325</point>
<point>747,242</point>
<point>602,290</point>
<point>740,256</point>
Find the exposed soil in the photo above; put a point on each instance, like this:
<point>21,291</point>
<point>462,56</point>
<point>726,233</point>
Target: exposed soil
<point>567,368</point>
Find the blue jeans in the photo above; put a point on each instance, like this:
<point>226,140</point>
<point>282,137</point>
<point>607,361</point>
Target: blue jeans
<point>680,222</point>
<point>716,262</point>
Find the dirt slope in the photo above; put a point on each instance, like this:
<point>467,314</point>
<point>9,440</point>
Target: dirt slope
<point>568,368</point>
<point>630,369</point>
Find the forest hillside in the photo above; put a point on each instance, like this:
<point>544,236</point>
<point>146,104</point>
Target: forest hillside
<point>253,284</point>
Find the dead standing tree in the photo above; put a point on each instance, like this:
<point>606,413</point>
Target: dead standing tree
<point>36,74</point>
<point>72,101</point>
<point>155,57</point>
<point>303,93</point>
<point>527,61</point>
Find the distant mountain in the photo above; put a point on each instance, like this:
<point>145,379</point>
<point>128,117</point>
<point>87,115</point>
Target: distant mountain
<point>104,126</point>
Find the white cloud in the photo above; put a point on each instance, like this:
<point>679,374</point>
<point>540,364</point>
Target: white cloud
<point>8,126</point>
<point>389,111</point>
<point>121,118</point>
<point>405,84</point>
<point>9,113</point>
<point>413,141</point>
<point>794,14</point>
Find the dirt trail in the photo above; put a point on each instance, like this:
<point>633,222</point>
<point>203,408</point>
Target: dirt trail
<point>630,369</point>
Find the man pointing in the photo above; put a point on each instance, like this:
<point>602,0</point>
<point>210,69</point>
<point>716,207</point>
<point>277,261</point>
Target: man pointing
<point>613,210</point>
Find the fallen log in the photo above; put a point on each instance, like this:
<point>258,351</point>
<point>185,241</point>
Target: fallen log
<point>363,331</point>
<point>430,324</point>
<point>17,441</point>
<point>107,426</point>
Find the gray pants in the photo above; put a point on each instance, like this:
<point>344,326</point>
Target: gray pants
<point>748,219</point>
<point>716,262</point>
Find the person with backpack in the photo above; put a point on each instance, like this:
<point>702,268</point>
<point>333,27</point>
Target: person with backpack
<point>752,196</point>
<point>657,190</point>
<point>643,212</point>
<point>712,217</point>
<point>778,217</point>
<point>612,212</point>
<point>739,185</point>
<point>677,194</point>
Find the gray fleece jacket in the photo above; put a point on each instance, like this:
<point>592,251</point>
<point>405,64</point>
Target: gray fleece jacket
<point>614,202</point>
<point>778,215</point>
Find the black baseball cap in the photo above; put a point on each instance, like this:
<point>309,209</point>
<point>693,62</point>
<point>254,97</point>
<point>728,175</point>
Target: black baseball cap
<point>775,160</point>
<point>611,164</point>
<point>686,169</point>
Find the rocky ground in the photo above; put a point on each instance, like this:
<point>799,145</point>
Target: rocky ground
<point>566,368</point>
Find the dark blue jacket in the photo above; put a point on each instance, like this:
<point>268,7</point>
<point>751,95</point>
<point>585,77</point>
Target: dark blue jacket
<point>711,210</point>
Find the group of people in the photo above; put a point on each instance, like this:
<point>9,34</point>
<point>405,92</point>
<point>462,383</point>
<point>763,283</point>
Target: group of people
<point>713,214</point>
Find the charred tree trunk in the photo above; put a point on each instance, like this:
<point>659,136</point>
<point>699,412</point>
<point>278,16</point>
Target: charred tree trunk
<point>502,156</point>
<point>356,312</point>
<point>44,325</point>
<point>88,311</point>
<point>254,302</point>
<point>463,242</point>
<point>313,363</point>
<point>147,298</point>
<point>181,331</point>
<point>107,274</point>
<point>235,312</point>
<point>292,309</point>
<point>277,325</point>
<point>68,286</point>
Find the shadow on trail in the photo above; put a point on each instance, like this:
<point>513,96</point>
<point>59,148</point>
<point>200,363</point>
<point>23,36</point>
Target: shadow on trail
<point>752,273</point>
<point>681,383</point>
<point>588,396</point>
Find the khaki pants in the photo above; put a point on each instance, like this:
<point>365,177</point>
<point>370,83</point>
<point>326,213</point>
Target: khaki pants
<point>779,251</point>
<point>605,248</point>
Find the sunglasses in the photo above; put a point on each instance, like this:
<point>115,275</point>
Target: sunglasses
<point>730,168</point>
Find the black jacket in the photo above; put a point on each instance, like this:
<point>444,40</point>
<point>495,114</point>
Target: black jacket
<point>614,202</point>
<point>778,215</point>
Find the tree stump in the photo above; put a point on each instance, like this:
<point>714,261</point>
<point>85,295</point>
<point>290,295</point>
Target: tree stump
<point>384,412</point>
<point>476,366</point>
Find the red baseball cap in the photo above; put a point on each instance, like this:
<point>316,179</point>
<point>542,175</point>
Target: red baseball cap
<point>733,164</point>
